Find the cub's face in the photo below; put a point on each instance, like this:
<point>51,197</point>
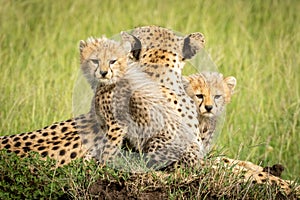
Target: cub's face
<point>210,92</point>
<point>98,58</point>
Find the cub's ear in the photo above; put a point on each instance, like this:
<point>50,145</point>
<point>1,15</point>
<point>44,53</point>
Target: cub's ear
<point>192,44</point>
<point>135,44</point>
<point>186,80</point>
<point>82,45</point>
<point>231,83</point>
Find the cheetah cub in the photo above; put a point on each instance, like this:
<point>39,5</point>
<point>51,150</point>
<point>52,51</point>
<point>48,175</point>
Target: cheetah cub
<point>96,57</point>
<point>77,137</point>
<point>211,92</point>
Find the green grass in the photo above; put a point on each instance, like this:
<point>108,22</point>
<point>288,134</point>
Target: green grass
<point>255,41</point>
<point>32,178</point>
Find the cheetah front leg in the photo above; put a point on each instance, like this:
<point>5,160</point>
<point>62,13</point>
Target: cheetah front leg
<point>109,145</point>
<point>112,143</point>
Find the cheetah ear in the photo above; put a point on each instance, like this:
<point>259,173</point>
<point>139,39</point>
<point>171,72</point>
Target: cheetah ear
<point>135,44</point>
<point>231,83</point>
<point>186,80</point>
<point>82,45</point>
<point>192,44</point>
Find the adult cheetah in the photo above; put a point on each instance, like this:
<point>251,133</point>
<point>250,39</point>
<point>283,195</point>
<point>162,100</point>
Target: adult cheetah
<point>161,54</point>
<point>129,114</point>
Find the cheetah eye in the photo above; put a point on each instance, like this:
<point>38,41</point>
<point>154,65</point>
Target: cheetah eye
<point>199,96</point>
<point>218,96</point>
<point>95,61</point>
<point>111,62</point>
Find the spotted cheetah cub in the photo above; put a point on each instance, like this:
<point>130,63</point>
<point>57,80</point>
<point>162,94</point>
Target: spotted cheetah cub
<point>77,137</point>
<point>103,78</point>
<point>211,92</point>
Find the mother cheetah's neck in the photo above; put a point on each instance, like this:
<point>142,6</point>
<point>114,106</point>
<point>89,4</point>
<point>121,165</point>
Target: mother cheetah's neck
<point>168,76</point>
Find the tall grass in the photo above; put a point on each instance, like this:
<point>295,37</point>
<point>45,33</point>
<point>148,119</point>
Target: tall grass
<point>255,41</point>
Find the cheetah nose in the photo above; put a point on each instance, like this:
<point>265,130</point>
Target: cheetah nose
<point>103,73</point>
<point>208,107</point>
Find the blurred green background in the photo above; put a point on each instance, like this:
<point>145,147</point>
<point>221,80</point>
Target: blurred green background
<point>258,42</point>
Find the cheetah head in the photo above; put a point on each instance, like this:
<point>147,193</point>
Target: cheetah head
<point>154,37</point>
<point>211,92</point>
<point>97,59</point>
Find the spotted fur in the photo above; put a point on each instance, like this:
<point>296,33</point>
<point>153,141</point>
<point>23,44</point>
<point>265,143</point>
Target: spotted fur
<point>59,141</point>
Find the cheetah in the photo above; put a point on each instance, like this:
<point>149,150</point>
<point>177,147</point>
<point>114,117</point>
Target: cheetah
<point>211,92</point>
<point>140,128</point>
<point>162,54</point>
<point>128,113</point>
<point>73,138</point>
